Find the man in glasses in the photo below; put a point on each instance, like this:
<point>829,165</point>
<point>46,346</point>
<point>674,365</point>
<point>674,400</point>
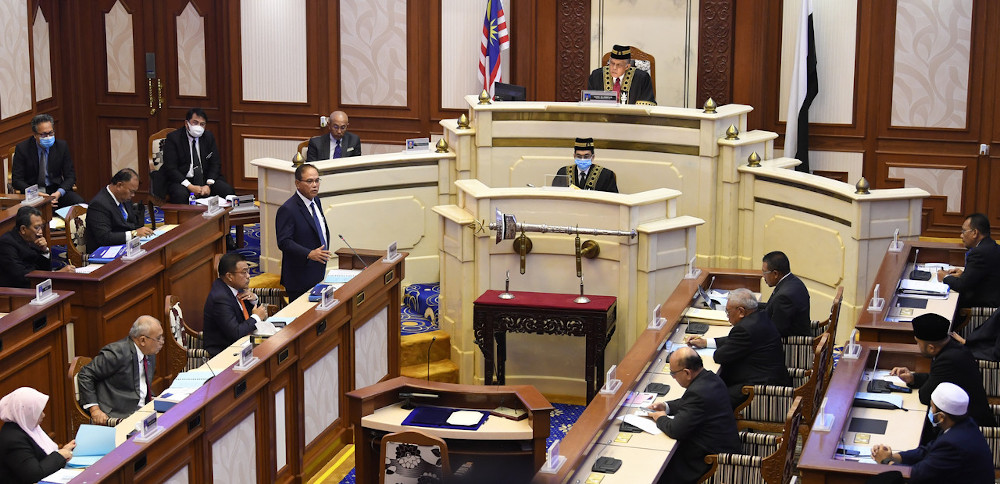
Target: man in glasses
<point>979,283</point>
<point>119,379</point>
<point>302,235</point>
<point>788,306</point>
<point>702,423</point>
<point>339,143</point>
<point>231,310</point>
<point>45,161</point>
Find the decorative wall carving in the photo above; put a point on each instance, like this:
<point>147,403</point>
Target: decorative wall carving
<point>572,48</point>
<point>715,52</point>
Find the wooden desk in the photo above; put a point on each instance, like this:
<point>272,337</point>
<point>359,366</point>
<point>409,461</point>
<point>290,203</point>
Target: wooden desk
<point>283,418</point>
<point>243,216</point>
<point>819,463</point>
<point>544,313</point>
<point>108,300</point>
<point>896,266</point>
<point>518,448</point>
<point>10,204</point>
<point>33,353</point>
<point>584,441</point>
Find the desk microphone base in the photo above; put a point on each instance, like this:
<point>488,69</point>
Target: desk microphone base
<point>553,467</point>
<point>505,295</point>
<point>582,300</point>
<point>142,439</point>
<point>824,422</point>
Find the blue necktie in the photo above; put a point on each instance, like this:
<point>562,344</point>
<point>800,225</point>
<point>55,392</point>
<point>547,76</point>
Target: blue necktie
<point>43,169</point>
<point>319,226</point>
<point>121,206</point>
<point>336,151</point>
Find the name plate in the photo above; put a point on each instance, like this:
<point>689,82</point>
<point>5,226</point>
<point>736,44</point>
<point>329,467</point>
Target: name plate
<point>391,255</point>
<point>133,249</point>
<point>213,207</point>
<point>601,97</point>
<point>43,293</point>
<point>247,359</point>
<point>148,428</point>
<point>31,194</point>
<point>553,461</point>
<point>327,301</point>
<point>418,144</point>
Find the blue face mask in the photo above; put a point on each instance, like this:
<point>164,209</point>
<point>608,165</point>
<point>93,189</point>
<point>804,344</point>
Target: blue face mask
<point>47,141</point>
<point>584,164</point>
<point>930,416</point>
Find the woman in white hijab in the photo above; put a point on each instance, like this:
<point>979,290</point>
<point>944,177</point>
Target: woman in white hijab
<point>27,454</point>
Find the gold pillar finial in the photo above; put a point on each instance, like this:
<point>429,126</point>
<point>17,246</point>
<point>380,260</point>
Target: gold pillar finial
<point>862,188</point>
<point>463,122</point>
<point>732,133</point>
<point>441,146</point>
<point>754,160</point>
<point>297,160</point>
<point>484,97</point>
<point>710,106</point>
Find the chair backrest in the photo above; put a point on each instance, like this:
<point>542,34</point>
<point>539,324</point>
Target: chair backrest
<point>76,234</point>
<point>185,346</point>
<point>992,435</point>
<point>303,149</point>
<point>798,351</point>
<point>778,467</point>
<point>407,456</point>
<point>80,416</point>
<point>8,170</point>
<point>989,371</point>
<point>641,60</point>
<point>156,148</point>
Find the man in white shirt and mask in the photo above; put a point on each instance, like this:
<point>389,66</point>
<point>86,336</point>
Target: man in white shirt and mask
<point>192,163</point>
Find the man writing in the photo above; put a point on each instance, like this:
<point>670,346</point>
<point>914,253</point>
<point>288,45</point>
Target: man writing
<point>303,235</point>
<point>24,249</point>
<point>231,310</point>
<point>119,379</point>
<point>112,219</point>
<point>339,143</point>
<point>702,421</point>
<point>752,354</point>
<point>45,161</point>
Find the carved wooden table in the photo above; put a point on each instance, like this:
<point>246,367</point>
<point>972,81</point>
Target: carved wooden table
<point>544,313</point>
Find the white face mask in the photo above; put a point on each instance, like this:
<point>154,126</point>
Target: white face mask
<point>196,131</point>
<point>930,416</point>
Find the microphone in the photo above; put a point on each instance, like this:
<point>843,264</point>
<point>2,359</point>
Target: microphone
<point>429,357</point>
<point>916,274</point>
<point>352,250</point>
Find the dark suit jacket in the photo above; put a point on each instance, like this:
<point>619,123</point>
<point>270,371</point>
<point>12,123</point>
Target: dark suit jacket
<point>959,455</point>
<point>319,147</point>
<point>752,354</point>
<point>105,225</point>
<point>979,284</point>
<point>703,424</point>
<point>640,88</point>
<point>955,364</point>
<point>606,182</point>
<point>177,156</point>
<point>788,307</point>
<point>21,459</point>
<point>25,165</point>
<point>18,258</point>
<point>297,236</point>
<point>224,322</point>
<point>984,342</point>
<point>111,379</point>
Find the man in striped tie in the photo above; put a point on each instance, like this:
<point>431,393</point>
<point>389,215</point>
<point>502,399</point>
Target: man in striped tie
<point>119,379</point>
<point>231,310</point>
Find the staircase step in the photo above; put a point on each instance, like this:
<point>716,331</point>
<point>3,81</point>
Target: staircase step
<point>441,370</point>
<point>413,348</point>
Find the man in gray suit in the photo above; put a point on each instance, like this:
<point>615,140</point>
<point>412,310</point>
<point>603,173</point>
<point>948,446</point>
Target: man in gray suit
<point>340,143</point>
<point>118,380</point>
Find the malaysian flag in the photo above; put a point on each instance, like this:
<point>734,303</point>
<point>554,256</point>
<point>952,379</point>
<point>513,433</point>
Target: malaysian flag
<point>495,39</point>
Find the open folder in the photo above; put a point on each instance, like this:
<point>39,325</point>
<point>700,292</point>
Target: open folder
<point>92,443</point>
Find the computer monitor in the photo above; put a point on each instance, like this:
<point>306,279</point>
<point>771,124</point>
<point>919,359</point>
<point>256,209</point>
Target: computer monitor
<point>508,92</point>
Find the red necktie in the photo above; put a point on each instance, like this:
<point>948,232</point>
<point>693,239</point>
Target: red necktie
<point>149,378</point>
<point>246,315</point>
<point>618,87</point>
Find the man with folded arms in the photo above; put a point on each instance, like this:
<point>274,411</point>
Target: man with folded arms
<point>231,310</point>
<point>950,362</point>
<point>752,354</point>
<point>119,379</point>
<point>788,306</point>
<point>959,453</point>
<point>24,249</point>
<point>702,421</point>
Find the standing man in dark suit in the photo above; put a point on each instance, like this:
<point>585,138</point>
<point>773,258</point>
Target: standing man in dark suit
<point>303,235</point>
<point>45,161</point>
<point>340,143</point>
<point>584,173</point>
<point>752,354</point>
<point>112,219</point>
<point>979,283</point>
<point>231,310</point>
<point>634,85</point>
<point>119,379</point>
<point>24,249</point>
<point>959,453</point>
<point>192,163</point>
<point>788,306</point>
<point>950,362</point>
<point>702,423</point>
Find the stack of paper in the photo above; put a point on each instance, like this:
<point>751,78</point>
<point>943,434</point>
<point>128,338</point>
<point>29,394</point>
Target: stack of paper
<point>340,276</point>
<point>639,399</point>
<point>92,443</point>
<point>923,288</point>
<point>709,316</point>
